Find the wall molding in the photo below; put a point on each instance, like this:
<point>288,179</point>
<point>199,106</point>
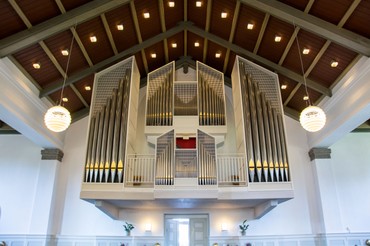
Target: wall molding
<point>319,153</point>
<point>330,239</point>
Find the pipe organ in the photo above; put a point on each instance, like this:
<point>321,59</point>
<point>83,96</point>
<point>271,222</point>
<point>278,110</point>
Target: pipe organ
<point>177,142</point>
<point>111,133</point>
<point>259,120</point>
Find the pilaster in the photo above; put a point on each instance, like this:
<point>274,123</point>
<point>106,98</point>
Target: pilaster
<point>43,207</point>
<point>326,189</point>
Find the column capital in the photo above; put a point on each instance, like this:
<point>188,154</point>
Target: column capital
<point>319,153</point>
<point>52,154</point>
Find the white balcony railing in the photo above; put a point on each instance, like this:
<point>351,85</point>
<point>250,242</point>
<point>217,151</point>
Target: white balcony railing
<point>140,170</point>
<point>231,170</point>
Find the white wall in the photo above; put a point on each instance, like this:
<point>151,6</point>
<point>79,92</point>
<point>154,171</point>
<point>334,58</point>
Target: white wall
<point>20,163</point>
<point>351,168</point>
<point>19,168</point>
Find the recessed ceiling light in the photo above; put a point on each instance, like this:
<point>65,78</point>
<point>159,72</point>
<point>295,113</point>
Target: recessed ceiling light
<point>305,51</point>
<point>171,4</point>
<point>65,52</point>
<point>283,87</point>
<point>65,99</point>
<point>196,44</point>
<point>87,88</point>
<point>218,55</point>
<point>153,55</point>
<point>146,15</point>
<point>174,45</point>
<point>198,4</point>
<point>223,15</point>
<point>334,64</point>
<point>36,65</point>
<point>250,26</point>
<point>305,98</point>
<point>93,39</point>
<point>120,27</point>
<point>277,38</point>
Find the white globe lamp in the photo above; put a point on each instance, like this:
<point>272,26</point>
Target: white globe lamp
<point>312,118</point>
<point>57,118</point>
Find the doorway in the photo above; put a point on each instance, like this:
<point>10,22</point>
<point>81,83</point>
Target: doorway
<point>186,229</point>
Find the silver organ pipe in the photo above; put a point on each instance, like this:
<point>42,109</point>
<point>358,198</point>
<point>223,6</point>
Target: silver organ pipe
<point>160,100</point>
<point>268,138</point>
<point>254,125</point>
<point>275,159</point>
<point>165,159</point>
<point>107,136</point>
<point>98,161</point>
<point>105,141</point>
<point>261,133</point>
<point>265,143</point>
<point>89,149</point>
<point>247,125</point>
<point>93,153</point>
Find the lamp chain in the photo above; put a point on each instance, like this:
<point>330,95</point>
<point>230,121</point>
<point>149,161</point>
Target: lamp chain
<point>67,66</point>
<point>303,72</point>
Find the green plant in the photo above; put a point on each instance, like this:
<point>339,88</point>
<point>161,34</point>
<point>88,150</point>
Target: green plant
<point>243,227</point>
<point>128,227</point>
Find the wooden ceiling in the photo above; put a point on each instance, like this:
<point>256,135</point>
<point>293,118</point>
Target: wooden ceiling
<point>37,32</point>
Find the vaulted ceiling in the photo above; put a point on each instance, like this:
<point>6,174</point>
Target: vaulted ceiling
<point>36,32</point>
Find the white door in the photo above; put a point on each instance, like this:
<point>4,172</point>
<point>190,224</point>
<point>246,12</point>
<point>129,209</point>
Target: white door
<point>199,232</point>
<point>186,230</point>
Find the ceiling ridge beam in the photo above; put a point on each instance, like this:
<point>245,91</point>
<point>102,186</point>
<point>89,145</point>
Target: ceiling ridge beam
<point>273,66</point>
<point>103,64</point>
<point>138,33</point>
<point>163,26</point>
<point>208,23</point>
<point>346,38</point>
<point>55,25</point>
<point>232,33</point>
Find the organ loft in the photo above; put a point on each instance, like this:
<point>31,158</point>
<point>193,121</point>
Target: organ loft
<point>186,141</point>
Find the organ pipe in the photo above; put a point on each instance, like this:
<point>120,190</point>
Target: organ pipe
<point>265,143</point>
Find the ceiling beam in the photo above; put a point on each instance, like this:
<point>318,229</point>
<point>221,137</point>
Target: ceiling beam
<point>163,26</point>
<point>232,34</point>
<point>267,63</point>
<point>208,23</point>
<point>346,38</point>
<point>55,25</point>
<point>138,34</point>
<point>114,59</point>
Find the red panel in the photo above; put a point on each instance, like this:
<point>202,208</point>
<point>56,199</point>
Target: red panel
<point>190,143</point>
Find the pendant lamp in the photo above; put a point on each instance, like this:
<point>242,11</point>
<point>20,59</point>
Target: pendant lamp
<point>312,118</point>
<point>58,118</point>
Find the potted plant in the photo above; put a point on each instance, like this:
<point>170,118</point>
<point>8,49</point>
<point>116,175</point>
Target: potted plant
<point>243,227</point>
<point>128,227</point>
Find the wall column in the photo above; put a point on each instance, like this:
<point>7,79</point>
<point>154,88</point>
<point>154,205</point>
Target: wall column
<point>330,216</point>
<point>43,206</point>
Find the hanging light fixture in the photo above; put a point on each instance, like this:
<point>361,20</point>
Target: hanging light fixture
<point>312,118</point>
<point>58,118</point>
